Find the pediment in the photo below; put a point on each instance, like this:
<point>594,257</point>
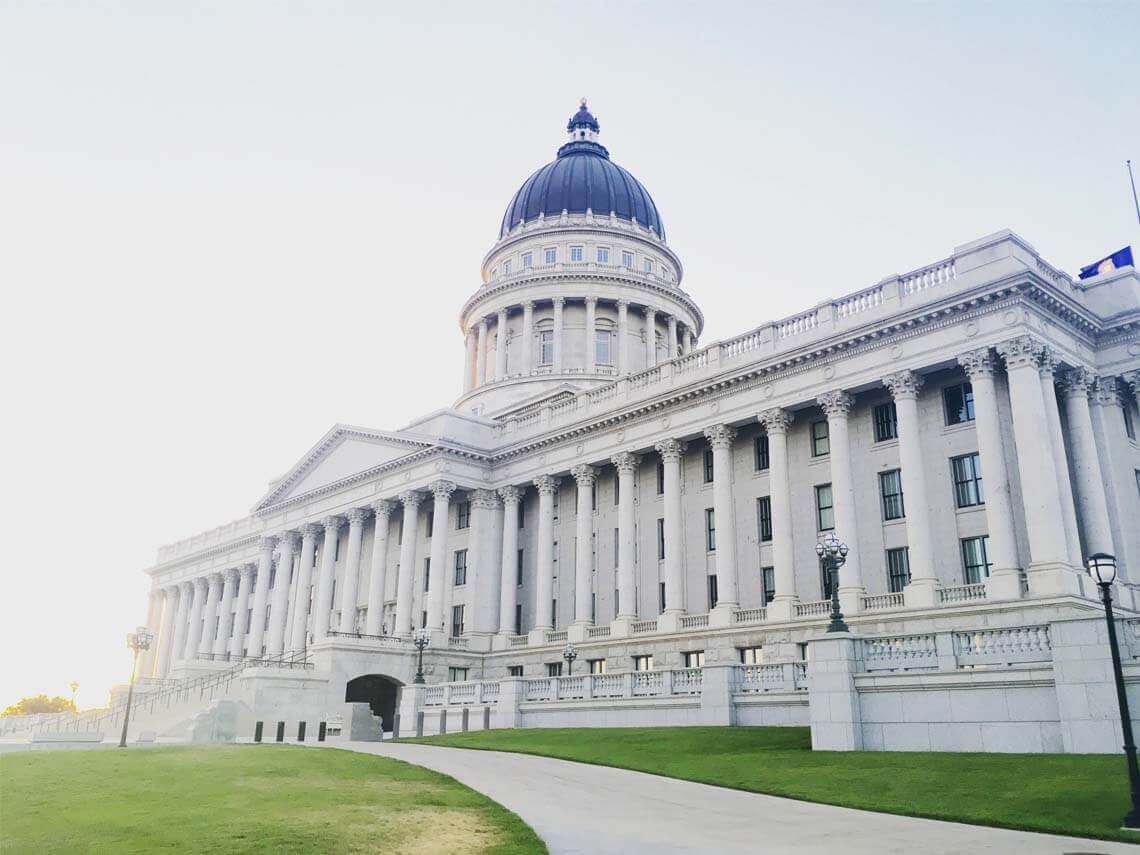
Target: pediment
<point>344,451</point>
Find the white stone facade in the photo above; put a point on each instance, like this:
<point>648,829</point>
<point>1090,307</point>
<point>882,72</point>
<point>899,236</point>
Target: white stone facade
<point>582,375</point>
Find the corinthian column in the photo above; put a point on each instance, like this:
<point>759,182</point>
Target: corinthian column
<point>279,609</point>
<point>672,339</point>
<point>378,571</point>
<point>626,465</point>
<point>241,608</point>
<point>1047,369</point>
<point>404,582</point>
<point>225,615</point>
<point>670,451</point>
<point>1048,572</point>
<point>210,615</point>
<point>483,564</point>
<point>776,423</point>
<point>1005,578</point>
<point>441,492</point>
<point>527,337</point>
<point>322,603</point>
<point>922,590</point>
<point>257,626</point>
<point>585,476</point>
<point>181,623</point>
<point>508,570</point>
<point>469,361</point>
<point>623,336</point>
<point>348,607</point>
<point>1116,454</point>
<point>166,631</point>
<point>544,562</point>
<point>837,405</point>
<point>720,437</point>
<point>194,633</point>
<point>501,345</point>
<point>302,596</point>
<point>591,340</point>
<point>481,355</point>
<point>559,356</point>
<point>650,337</point>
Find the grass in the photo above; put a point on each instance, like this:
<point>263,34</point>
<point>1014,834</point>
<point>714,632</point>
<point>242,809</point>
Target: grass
<point>242,799</point>
<point>1083,795</point>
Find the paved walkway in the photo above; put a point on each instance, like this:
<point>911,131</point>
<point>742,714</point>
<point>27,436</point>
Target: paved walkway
<point>576,808</point>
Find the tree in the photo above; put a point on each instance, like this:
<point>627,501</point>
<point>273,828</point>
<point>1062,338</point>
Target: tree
<point>40,704</point>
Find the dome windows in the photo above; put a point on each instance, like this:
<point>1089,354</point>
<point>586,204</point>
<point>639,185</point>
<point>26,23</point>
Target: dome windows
<point>575,253</point>
<point>527,260</point>
<point>550,255</point>
<point>627,260</point>
<point>507,267</point>
<point>648,265</point>
<point>603,255</point>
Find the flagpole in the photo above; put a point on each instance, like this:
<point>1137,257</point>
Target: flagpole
<point>1133,182</point>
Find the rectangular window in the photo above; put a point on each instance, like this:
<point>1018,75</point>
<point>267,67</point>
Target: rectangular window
<point>550,254</point>
<point>886,422</point>
<point>248,620</point>
<point>527,259</point>
<point>522,517</point>
<point>769,575</point>
<point>617,602</point>
<point>430,527</point>
<point>617,490</point>
<point>660,597</point>
<point>975,559</point>
<point>820,439</point>
<point>507,267</point>
<point>514,670</point>
<point>959,403</point>
<point>693,659</point>
<point>546,347</point>
<point>643,663</point>
<point>890,489</point>
<point>518,618</point>
<point>603,255</point>
<point>760,452</point>
<point>423,619</point>
<point>336,547</point>
<point>751,655</point>
<point>712,591</point>
<point>575,253</point>
<point>596,666</point>
<point>627,260</point>
<point>966,472</point>
<point>519,569</point>
<point>1129,426</point>
<point>427,573</point>
<point>660,477</point>
<point>553,669</point>
<point>556,497</point>
<point>602,350</point>
<point>824,508</point>
<point>457,621</point>
<point>461,567</point>
<point>710,530</point>
<point>462,515</point>
<point>648,265</point>
<point>898,569</point>
<point>708,466</point>
<point>594,495</point>
<point>660,539</point>
<point>456,675</point>
<point>617,548</point>
<point>764,517</point>
<point>593,608</point>
<point>554,614</point>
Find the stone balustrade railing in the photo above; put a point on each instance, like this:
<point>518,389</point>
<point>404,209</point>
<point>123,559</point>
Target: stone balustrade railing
<point>1003,646</point>
<point>900,653</point>
<point>694,621</point>
<point>962,593</point>
<point>877,602</point>
<point>642,627</point>
<point>630,684</point>
<point>942,651</point>
<point>813,608</point>
<point>473,692</point>
<point>746,616</point>
<point>770,678</point>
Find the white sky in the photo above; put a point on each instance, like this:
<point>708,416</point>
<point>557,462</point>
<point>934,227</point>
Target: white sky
<point>226,226</point>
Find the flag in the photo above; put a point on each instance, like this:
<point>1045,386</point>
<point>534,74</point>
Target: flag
<point>1120,258</point>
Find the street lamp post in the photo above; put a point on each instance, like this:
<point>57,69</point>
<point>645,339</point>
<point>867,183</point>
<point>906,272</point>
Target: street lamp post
<point>1102,568</point>
<point>420,640</point>
<point>569,653</point>
<point>137,641</point>
<point>833,554</point>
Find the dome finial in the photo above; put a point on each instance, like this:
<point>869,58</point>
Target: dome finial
<point>583,125</point>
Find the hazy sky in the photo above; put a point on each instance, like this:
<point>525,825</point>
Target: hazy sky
<point>226,226</point>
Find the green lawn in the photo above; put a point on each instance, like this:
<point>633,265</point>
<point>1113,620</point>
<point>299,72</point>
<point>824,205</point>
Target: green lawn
<point>1083,794</point>
<point>243,799</point>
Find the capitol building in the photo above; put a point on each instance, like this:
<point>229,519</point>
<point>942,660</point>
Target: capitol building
<point>608,478</point>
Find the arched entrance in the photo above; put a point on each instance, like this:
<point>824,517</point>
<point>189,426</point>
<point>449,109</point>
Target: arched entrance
<point>379,692</point>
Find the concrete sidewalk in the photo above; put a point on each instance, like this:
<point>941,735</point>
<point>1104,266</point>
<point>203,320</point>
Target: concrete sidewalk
<point>578,808</point>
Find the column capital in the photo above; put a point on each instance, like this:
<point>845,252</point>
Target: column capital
<point>528,305</point>
<point>332,523</point>
<point>1107,392</point>
<point>247,571</point>
<point>626,461</point>
<point>1132,378</point>
<point>1022,351</point>
<point>310,530</point>
<point>411,499</point>
<point>589,300</point>
<point>267,543</point>
<point>231,574</point>
<point>383,508</point>
<point>623,305</point>
<point>1077,382</point>
<point>442,490</point>
<point>356,516</point>
<point>1049,362</point>
<point>501,315</point>
<point>171,590</point>
<point>776,420</point>
<point>187,586</point>
<point>670,449</point>
<point>836,404</point>
<point>511,495</point>
<point>484,499</point>
<point>584,474</point>
<point>977,363</point>
<point>482,326</point>
<point>904,384</point>
<point>720,436</point>
<point>650,312</point>
<point>214,579</point>
<point>558,302</point>
<point>287,540</point>
<point>547,484</point>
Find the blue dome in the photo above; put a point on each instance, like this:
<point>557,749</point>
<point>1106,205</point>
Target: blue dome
<point>582,177</point>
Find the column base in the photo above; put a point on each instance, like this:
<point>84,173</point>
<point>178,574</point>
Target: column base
<point>921,594</point>
<point>436,638</point>
<point>721,616</point>
<point>576,632</point>
<point>1054,579</point>
<point>782,608</point>
<point>537,636</point>
<point>669,620</point>
<point>501,641</point>
<point>1004,585</point>
<point>851,599</point>
<point>620,626</point>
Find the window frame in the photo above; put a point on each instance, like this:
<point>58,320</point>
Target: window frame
<point>546,347</point>
<point>764,518</point>
<point>969,489</point>
<point>577,253</point>
<point>820,438</point>
<point>600,252</point>
<point>966,408</point>
<point>459,563</point>
<point>983,542</point>
<point>885,420</point>
<point>710,529</point>
<point>888,500</point>
<point>458,615</point>
<point>898,568</point>
<point>462,515</point>
<point>820,509</point>
<point>761,453</point>
<point>550,255</point>
<point>708,466</point>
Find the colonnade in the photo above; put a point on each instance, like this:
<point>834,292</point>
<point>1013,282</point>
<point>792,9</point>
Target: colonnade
<point>483,365</point>
<point>1050,504</point>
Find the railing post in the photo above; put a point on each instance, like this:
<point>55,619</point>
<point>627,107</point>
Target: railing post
<point>944,651</point>
<point>667,682</point>
<point>627,684</point>
<point>588,685</point>
<point>788,676</point>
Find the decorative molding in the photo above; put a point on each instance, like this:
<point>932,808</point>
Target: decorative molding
<point>978,363</point>
<point>626,461</point>
<point>904,384</point>
<point>670,449</point>
<point>383,508</point>
<point>267,544</point>
<point>310,531</point>
<point>411,499</point>
<point>1023,351</point>
<point>720,436</point>
<point>584,474</point>
<point>836,404</point>
<point>1106,392</point>
<point>356,516</point>
<point>776,420</point>
<point>547,484</point>
<point>287,541</point>
<point>511,495</point>
<point>441,490</point>
<point>332,524</point>
<point>1077,381</point>
<point>486,499</point>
